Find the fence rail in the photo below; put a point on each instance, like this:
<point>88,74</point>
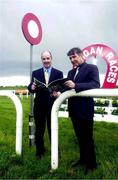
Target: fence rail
<point>19,118</point>
<point>54,115</point>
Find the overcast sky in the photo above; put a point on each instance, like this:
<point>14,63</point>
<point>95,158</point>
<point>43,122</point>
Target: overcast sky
<point>65,24</point>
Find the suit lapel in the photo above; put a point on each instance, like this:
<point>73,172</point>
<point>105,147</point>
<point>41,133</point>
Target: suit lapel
<point>42,75</point>
<point>73,74</point>
<point>78,75</point>
<point>81,72</point>
<point>51,75</point>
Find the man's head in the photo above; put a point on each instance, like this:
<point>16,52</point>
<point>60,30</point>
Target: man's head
<point>75,55</point>
<point>46,57</point>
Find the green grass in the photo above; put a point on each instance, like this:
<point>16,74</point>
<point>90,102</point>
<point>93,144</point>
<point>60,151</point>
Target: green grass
<point>28,166</point>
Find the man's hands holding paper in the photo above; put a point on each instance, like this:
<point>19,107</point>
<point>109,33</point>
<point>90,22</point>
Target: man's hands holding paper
<point>70,84</point>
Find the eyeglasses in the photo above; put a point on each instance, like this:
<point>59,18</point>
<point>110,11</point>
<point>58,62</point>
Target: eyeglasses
<point>46,58</point>
<point>72,57</point>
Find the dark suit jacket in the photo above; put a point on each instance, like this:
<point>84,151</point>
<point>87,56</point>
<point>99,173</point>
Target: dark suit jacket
<point>87,78</point>
<point>43,102</point>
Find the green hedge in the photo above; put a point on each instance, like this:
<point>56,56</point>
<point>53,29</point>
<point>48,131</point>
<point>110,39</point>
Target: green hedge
<point>115,112</point>
<point>62,109</point>
<point>115,103</point>
<point>101,103</point>
<point>100,111</point>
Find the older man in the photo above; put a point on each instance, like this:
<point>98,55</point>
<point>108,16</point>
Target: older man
<point>81,109</point>
<point>44,100</point>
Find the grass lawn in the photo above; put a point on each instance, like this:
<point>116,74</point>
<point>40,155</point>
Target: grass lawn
<point>28,166</point>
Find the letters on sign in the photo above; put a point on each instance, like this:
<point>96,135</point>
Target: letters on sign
<point>111,58</point>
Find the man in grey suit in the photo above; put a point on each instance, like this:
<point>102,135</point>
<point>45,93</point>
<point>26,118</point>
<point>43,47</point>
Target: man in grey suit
<point>81,109</point>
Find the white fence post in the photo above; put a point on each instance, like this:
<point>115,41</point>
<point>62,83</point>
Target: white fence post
<point>54,115</point>
<point>19,118</point>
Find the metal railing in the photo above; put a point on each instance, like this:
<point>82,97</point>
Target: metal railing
<point>19,118</point>
<point>54,115</point>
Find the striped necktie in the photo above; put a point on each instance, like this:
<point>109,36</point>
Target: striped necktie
<point>46,76</point>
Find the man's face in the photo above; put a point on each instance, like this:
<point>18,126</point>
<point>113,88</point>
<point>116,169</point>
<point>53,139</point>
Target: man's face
<point>76,59</point>
<point>46,59</point>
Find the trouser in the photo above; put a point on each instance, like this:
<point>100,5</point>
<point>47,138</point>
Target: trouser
<point>84,131</point>
<point>40,124</point>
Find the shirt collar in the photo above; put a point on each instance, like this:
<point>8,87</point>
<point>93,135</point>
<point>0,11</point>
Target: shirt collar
<point>80,65</point>
<point>49,69</point>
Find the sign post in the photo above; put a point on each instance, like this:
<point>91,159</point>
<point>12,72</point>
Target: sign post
<point>31,129</point>
<point>32,31</point>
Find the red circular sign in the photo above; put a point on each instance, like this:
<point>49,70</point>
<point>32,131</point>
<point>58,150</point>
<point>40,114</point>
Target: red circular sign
<point>109,55</point>
<point>31,28</point>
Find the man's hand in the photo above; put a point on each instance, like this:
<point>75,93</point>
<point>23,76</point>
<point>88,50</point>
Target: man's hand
<point>55,94</point>
<point>33,86</point>
<point>70,84</point>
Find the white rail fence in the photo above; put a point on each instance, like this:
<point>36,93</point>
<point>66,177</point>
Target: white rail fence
<point>63,112</point>
<point>104,115</point>
<point>19,118</point>
<point>54,115</point>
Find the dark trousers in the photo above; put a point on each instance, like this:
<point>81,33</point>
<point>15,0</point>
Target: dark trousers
<point>41,119</point>
<point>84,132</point>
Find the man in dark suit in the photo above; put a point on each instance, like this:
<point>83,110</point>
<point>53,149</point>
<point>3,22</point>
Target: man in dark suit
<point>43,100</point>
<point>81,109</point>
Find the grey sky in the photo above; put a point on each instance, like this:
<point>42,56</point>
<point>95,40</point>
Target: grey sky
<point>65,24</point>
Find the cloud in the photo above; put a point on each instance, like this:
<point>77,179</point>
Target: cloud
<point>65,24</point>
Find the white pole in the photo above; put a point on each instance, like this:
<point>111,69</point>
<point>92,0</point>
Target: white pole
<point>54,115</point>
<point>19,118</point>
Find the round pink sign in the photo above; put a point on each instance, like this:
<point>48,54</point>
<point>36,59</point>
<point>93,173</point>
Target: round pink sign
<point>31,28</point>
<point>109,55</point>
